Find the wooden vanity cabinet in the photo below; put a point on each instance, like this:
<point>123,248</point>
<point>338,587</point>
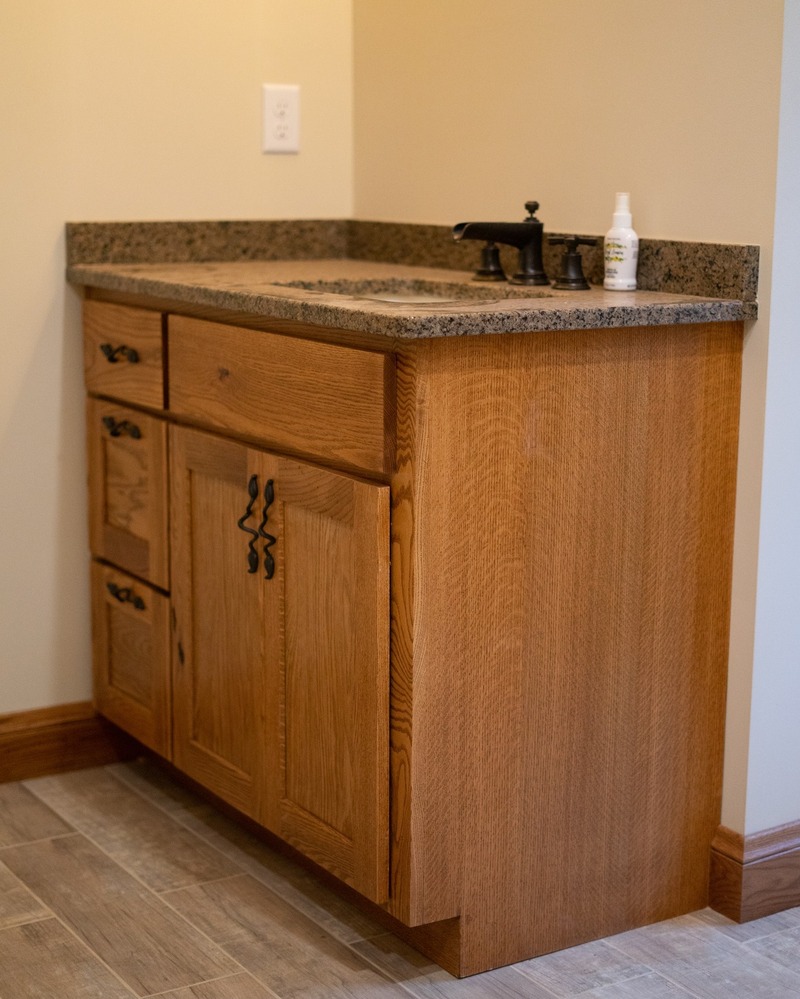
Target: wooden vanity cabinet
<point>484,684</point>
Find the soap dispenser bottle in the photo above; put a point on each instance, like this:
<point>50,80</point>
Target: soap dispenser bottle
<point>621,248</point>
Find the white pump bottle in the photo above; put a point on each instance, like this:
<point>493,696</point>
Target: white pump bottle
<point>621,248</point>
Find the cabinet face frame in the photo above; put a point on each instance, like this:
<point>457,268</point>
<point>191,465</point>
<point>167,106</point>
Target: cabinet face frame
<point>306,652</point>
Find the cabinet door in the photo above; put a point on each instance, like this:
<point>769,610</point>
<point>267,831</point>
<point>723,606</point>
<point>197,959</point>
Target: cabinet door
<point>281,684</point>
<point>128,488</point>
<point>131,656</point>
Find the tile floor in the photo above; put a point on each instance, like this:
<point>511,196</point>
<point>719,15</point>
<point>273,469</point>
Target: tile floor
<point>115,882</point>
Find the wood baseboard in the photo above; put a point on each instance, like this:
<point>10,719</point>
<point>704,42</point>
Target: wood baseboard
<point>54,740</point>
<point>754,876</point>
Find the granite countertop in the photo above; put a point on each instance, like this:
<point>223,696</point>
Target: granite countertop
<point>258,287</point>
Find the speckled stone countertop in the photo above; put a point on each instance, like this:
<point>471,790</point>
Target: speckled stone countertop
<point>397,300</point>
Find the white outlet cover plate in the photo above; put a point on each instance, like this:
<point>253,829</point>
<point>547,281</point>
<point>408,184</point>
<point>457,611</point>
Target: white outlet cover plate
<point>281,118</point>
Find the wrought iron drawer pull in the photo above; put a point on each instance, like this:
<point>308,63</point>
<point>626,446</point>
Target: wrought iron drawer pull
<point>113,354</point>
<point>269,561</point>
<point>125,595</point>
<point>119,427</point>
<point>252,555</point>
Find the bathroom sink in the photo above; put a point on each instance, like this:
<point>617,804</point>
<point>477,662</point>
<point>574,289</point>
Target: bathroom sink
<point>417,291</point>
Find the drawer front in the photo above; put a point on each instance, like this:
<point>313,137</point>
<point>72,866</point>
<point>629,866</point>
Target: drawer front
<point>123,353</point>
<point>315,399</point>
<point>128,490</point>
<point>130,650</point>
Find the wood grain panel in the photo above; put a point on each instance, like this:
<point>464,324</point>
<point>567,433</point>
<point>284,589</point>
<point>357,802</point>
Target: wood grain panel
<point>316,399</point>
<point>756,875</point>
<point>131,651</point>
<point>136,934</point>
<point>333,678</point>
<point>128,521</point>
<point>569,596</point>
<point>142,382</point>
<point>64,737</point>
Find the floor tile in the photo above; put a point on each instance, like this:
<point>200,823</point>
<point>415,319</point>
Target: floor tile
<point>137,935</point>
<point>242,986</point>
<point>24,818</point>
<point>578,969</point>
<point>293,883</point>
<point>426,980</point>
<point>650,986</point>
<point>737,976</point>
<point>782,948</point>
<point>285,950</point>
<point>139,836</point>
<point>756,928</point>
<point>44,961</point>
<point>17,904</point>
<point>683,939</point>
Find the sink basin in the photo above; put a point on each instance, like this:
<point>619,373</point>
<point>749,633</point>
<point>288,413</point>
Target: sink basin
<point>417,291</point>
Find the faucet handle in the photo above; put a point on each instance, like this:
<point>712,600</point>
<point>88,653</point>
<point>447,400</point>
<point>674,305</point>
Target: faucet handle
<point>531,207</point>
<point>571,276</point>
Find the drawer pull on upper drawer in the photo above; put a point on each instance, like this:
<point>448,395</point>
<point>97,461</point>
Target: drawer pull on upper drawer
<point>125,595</point>
<point>117,428</point>
<point>113,354</point>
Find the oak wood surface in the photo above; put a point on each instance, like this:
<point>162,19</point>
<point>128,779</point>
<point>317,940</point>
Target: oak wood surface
<point>128,519</point>
<point>568,584</point>
<point>53,740</point>
<point>312,398</point>
<point>131,657</point>
<point>140,382</point>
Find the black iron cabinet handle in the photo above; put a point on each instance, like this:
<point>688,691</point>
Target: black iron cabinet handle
<point>117,428</point>
<point>270,539</point>
<point>125,595</point>
<point>113,354</point>
<point>252,554</point>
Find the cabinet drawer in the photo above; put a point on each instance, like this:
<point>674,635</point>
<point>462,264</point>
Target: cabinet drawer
<point>130,645</point>
<point>123,353</point>
<point>128,490</point>
<point>303,396</point>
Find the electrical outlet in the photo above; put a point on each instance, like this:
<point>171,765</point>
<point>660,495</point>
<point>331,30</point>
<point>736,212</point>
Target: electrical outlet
<point>281,118</point>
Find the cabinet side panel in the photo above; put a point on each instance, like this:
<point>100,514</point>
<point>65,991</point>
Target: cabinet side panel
<point>578,533</point>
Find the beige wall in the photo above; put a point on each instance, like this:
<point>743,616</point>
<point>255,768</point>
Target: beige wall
<point>138,109</point>
<point>134,109</point>
<point>464,109</point>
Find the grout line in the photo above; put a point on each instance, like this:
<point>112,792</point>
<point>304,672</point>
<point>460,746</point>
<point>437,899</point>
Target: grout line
<point>210,981</point>
<point>44,839</point>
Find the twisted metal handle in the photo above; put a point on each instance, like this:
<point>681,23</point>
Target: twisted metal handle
<point>125,595</point>
<point>270,539</point>
<point>117,428</point>
<point>252,555</point>
<point>113,354</point>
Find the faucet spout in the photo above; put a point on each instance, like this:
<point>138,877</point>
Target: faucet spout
<point>526,236</point>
